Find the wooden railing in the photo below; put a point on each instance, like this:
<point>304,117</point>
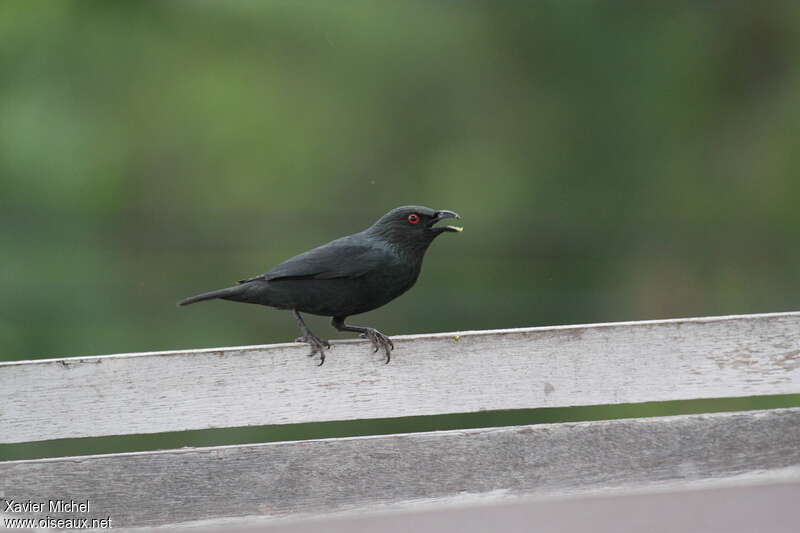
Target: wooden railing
<point>420,473</point>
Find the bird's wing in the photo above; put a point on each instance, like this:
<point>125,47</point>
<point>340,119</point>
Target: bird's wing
<point>343,258</point>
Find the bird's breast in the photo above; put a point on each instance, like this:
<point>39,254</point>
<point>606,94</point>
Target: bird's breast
<point>373,290</point>
<point>391,282</point>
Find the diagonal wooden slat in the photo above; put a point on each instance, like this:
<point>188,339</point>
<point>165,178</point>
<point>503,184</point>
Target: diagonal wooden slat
<point>429,374</point>
<point>322,477</point>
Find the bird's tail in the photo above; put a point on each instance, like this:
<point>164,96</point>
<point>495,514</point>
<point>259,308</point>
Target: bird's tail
<point>221,293</point>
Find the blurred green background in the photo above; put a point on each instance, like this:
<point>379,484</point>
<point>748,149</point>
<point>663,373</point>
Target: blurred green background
<point>611,160</point>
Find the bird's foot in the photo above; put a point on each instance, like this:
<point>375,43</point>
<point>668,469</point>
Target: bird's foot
<point>318,346</point>
<point>379,340</point>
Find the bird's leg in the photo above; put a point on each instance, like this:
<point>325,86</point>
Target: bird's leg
<point>317,345</point>
<point>378,339</point>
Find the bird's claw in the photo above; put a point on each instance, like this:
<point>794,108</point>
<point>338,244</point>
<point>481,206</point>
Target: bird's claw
<point>379,341</point>
<point>318,346</point>
<point>313,340</point>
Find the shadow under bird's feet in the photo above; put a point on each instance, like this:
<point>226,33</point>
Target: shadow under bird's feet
<point>379,340</point>
<point>318,346</point>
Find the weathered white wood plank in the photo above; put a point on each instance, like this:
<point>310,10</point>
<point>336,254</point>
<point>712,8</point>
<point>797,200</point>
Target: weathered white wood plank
<point>429,374</point>
<point>335,475</point>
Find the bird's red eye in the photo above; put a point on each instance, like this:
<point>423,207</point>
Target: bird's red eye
<point>413,218</point>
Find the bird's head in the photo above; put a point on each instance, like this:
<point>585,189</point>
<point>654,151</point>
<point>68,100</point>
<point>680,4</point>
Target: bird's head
<point>413,225</point>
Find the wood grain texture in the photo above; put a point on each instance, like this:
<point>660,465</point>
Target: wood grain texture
<point>429,374</point>
<point>320,477</point>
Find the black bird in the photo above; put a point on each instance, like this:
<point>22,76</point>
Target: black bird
<point>348,276</point>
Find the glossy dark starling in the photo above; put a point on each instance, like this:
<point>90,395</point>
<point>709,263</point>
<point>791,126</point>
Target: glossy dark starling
<point>348,276</point>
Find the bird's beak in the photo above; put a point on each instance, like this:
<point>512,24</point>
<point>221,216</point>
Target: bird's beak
<point>440,215</point>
